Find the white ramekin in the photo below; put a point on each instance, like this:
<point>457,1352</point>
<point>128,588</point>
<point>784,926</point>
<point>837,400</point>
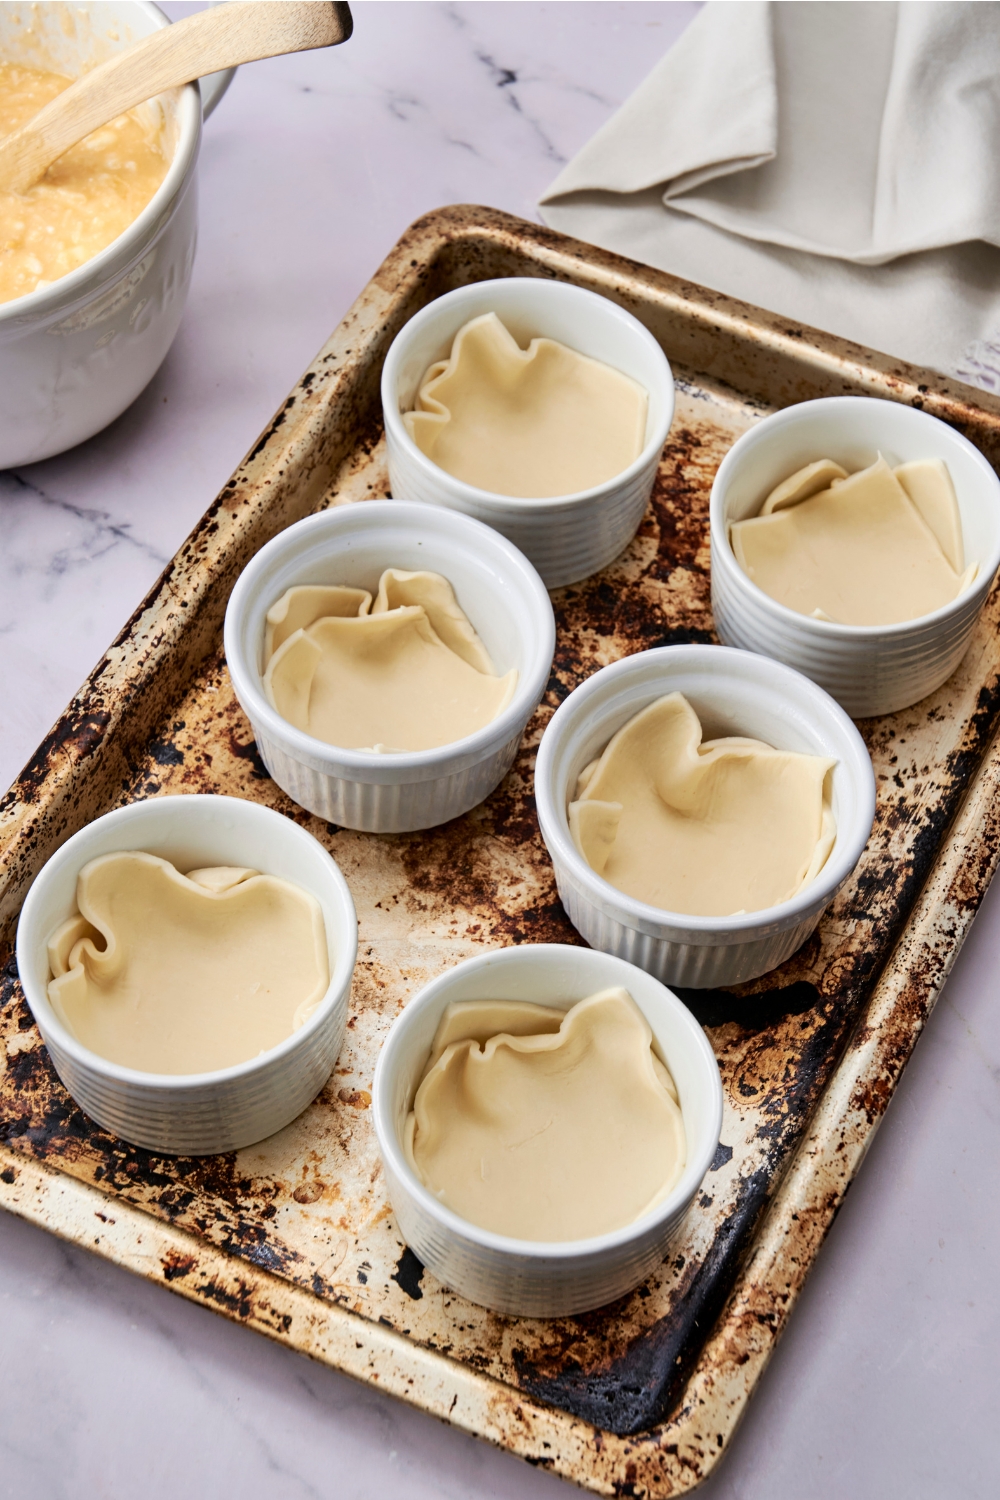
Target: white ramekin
<point>199,1113</point>
<point>75,354</point>
<point>527,1278</point>
<point>869,669</point>
<point>733,692</point>
<point>571,536</point>
<point>498,589</point>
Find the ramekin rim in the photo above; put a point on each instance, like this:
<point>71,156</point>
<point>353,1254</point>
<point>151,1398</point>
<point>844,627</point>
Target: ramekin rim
<point>520,503</point>
<point>546,1250</point>
<point>442,760</point>
<point>833,629</point>
<point>166,1083</point>
<point>49,299</point>
<point>554,823</point>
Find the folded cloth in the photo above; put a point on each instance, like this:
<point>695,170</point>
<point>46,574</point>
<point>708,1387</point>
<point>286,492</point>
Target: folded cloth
<point>838,164</point>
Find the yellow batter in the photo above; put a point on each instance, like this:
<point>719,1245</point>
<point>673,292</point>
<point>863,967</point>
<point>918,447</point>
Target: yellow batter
<point>172,973</point>
<point>86,198</point>
<point>544,1124</point>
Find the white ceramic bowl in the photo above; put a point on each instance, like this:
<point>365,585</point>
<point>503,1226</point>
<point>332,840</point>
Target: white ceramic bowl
<point>868,669</point>
<point>733,692</point>
<point>531,1278</point>
<point>76,353</point>
<point>571,536</point>
<point>500,592</point>
<point>199,1113</point>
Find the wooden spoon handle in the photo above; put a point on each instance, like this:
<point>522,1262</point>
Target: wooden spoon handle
<point>223,37</point>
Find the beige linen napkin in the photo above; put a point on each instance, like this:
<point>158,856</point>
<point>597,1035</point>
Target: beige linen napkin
<point>837,163</point>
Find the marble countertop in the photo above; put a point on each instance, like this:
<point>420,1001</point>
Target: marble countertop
<point>885,1382</point>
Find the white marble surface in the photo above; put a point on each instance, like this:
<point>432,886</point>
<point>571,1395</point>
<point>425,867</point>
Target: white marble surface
<point>885,1383</point>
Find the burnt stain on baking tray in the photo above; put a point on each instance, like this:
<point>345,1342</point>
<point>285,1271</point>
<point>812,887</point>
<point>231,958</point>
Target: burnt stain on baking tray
<point>626,1388</point>
<point>595,1367</point>
<point>658,592</point>
<point>632,1391</point>
<point>79,732</point>
<point>777,1039</point>
<point>628,1391</point>
<point>208,1194</point>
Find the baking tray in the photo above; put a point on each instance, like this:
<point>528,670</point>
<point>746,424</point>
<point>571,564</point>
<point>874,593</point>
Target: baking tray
<point>294,1236</point>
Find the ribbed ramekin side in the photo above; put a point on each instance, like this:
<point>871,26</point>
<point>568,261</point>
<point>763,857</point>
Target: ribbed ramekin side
<point>866,674</point>
<point>690,965</point>
<point>565,543</point>
<point>371,807</point>
<point>192,1119</point>
<point>534,1288</point>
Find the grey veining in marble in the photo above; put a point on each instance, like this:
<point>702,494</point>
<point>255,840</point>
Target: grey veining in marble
<point>885,1383</point>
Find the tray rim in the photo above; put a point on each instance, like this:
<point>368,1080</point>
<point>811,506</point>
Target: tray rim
<point>827,1159</point>
<point>678,1454</point>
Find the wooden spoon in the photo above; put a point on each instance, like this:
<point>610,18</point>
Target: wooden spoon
<point>223,37</point>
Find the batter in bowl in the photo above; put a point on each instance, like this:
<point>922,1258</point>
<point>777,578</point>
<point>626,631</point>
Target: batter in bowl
<point>85,200</point>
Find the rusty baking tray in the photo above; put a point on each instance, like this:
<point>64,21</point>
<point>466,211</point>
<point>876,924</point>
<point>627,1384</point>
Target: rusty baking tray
<point>295,1237</point>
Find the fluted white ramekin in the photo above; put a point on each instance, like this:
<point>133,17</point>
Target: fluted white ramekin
<point>529,1278</point>
<point>733,693</point>
<point>570,536</point>
<point>869,669</point>
<point>195,1114</point>
<point>497,588</point>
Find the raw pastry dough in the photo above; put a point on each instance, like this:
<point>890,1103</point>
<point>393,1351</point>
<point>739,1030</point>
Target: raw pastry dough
<point>407,672</point>
<point>533,422</point>
<point>300,607</point>
<point>171,973</point>
<point>873,548</point>
<point>802,485</point>
<point>543,1124</point>
<point>712,828</point>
